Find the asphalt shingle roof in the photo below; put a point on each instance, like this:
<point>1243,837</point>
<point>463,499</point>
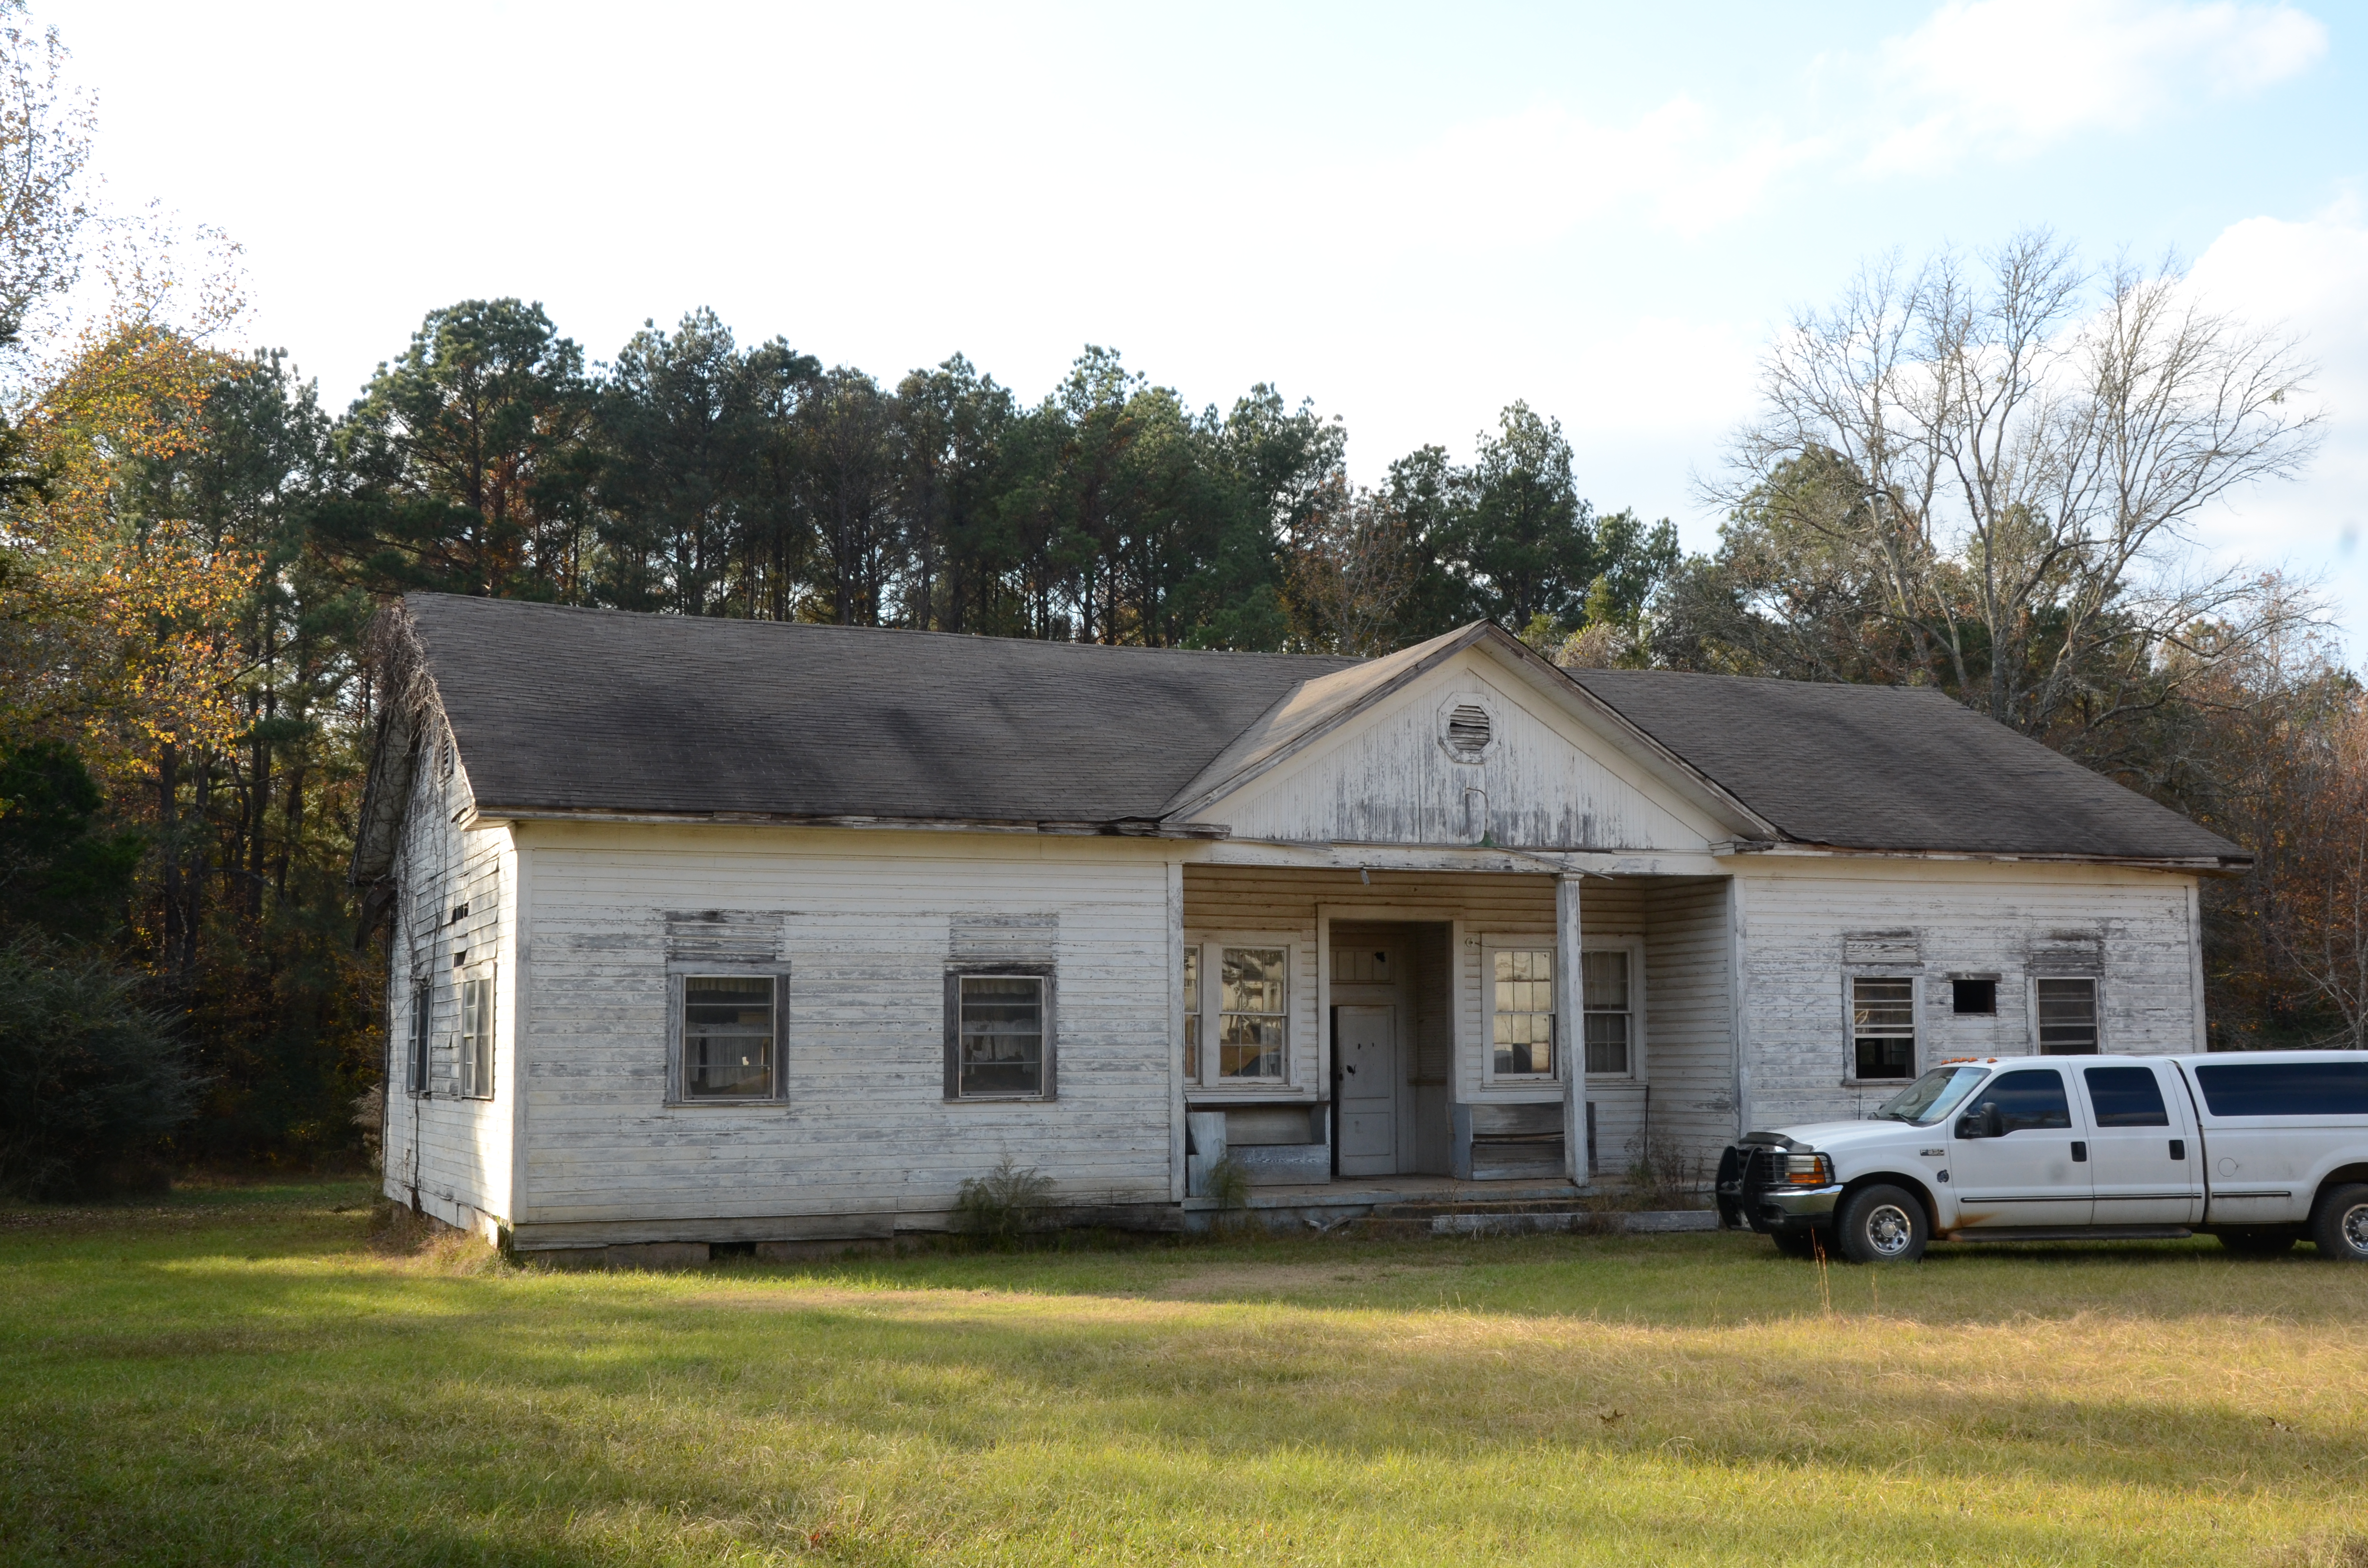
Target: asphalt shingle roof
<point>558,708</point>
<point>1894,768</point>
<point>585,709</point>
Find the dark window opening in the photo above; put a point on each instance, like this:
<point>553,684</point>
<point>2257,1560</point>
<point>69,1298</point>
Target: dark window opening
<point>1969,999</point>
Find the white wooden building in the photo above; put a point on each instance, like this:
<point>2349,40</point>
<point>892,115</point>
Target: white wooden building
<point>710,931</point>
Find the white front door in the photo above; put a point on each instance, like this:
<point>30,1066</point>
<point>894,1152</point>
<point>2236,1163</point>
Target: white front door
<point>2032,1170</point>
<point>1368,1090</point>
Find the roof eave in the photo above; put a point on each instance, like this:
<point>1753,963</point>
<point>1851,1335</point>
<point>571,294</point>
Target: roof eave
<point>2207,864</point>
<point>1116,827</point>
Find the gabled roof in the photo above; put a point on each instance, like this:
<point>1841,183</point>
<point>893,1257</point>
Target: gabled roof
<point>559,710</point>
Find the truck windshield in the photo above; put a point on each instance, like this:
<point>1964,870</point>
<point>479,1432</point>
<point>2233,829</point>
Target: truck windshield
<point>1933,1096</point>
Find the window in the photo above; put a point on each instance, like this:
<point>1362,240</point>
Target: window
<point>1522,1011</point>
<point>1001,1023</point>
<point>2068,1017</point>
<point>2027,1098</point>
<point>1191,1012</point>
<point>2285,1088</point>
<point>1972,998</point>
<point>1883,1029</point>
<point>1252,1013</point>
<point>1608,1002</point>
<point>423,1003</point>
<point>1237,1010</point>
<point>2126,1097</point>
<point>727,1037</point>
<point>477,1039</point>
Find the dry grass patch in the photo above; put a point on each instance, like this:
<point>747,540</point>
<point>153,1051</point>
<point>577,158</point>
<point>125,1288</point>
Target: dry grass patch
<point>278,1389</point>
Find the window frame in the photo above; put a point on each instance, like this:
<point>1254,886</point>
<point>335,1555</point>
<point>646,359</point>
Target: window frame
<point>677,1035</point>
<point>1048,995</point>
<point>1634,947</point>
<point>2096,985</point>
<point>1491,944</point>
<point>419,1065</point>
<point>1850,1035</point>
<point>1209,1008</point>
<point>474,1064</point>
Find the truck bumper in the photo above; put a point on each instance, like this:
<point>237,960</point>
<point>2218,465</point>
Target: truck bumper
<point>1792,1207</point>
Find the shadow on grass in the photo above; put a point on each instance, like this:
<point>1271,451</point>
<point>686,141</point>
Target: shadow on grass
<point>263,1386</point>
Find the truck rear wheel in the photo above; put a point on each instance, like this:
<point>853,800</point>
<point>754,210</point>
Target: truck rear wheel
<point>2340,1226</point>
<point>1881,1224</point>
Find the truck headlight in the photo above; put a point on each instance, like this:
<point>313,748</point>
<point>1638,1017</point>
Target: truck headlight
<point>1808,1170</point>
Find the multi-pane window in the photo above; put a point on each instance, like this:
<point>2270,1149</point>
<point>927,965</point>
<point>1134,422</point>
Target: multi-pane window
<point>1883,1028</point>
<point>1522,1011</point>
<point>999,1035</point>
<point>423,1003</point>
<point>1252,1016</point>
<point>1192,1013</point>
<point>1611,1011</point>
<point>727,1037</point>
<point>2068,1017</point>
<point>476,1078</point>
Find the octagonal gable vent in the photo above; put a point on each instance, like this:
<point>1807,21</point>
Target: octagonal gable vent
<point>1469,731</point>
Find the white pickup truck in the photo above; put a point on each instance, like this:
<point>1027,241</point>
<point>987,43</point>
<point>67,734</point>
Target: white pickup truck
<point>2259,1149</point>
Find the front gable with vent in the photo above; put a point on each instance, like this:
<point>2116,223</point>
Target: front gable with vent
<point>1476,752</point>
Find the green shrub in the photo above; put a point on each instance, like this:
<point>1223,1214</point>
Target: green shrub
<point>1005,1203</point>
<point>91,1082</point>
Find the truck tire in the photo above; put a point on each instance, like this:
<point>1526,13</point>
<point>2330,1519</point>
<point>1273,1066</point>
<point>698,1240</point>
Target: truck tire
<point>1881,1224</point>
<point>2341,1224</point>
<point>1796,1243</point>
<point>2257,1244</point>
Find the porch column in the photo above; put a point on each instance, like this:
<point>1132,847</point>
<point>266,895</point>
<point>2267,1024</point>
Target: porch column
<point>1570,1027</point>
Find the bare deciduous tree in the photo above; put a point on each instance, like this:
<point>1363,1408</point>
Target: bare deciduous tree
<point>2008,458</point>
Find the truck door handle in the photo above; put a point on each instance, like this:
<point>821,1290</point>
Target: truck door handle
<point>2179,1148</point>
<point>2080,1151</point>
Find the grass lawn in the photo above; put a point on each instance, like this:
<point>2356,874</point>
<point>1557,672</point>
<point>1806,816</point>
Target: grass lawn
<point>236,1376</point>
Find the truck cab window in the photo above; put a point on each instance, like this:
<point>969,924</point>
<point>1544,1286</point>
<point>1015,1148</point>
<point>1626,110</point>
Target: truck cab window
<point>2126,1097</point>
<point>2027,1098</point>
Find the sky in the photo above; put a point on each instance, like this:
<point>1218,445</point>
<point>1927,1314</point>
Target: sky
<point>1410,215</point>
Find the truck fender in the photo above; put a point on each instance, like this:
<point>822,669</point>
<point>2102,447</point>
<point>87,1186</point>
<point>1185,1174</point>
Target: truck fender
<point>1900,1179</point>
<point>2342,1176</point>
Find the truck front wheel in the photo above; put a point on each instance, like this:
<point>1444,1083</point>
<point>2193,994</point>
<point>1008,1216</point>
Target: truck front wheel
<point>2340,1226</point>
<point>1881,1224</point>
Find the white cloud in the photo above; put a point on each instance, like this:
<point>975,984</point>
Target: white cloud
<point>2009,77</point>
<point>2310,277</point>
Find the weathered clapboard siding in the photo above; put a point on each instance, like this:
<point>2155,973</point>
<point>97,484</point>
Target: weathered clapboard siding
<point>1547,780</point>
<point>1690,1025</point>
<point>866,922</point>
<point>1956,918</point>
<point>454,1154</point>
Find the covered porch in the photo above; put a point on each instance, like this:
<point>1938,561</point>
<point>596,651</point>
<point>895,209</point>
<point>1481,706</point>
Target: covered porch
<point>1414,1027</point>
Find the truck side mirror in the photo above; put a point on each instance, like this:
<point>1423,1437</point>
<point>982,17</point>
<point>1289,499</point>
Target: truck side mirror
<point>1983,1123</point>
